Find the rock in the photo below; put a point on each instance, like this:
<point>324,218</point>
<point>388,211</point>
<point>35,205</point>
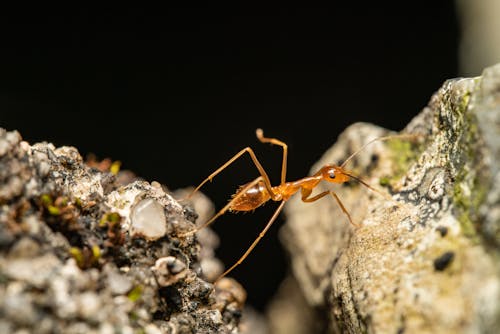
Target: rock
<point>253,322</point>
<point>152,329</point>
<point>119,284</point>
<point>78,243</point>
<point>18,306</point>
<point>230,299</point>
<point>5,326</point>
<point>425,260</point>
<point>89,305</point>
<point>36,271</point>
<point>290,313</point>
<point>25,247</point>
<point>211,268</point>
<point>169,270</point>
<point>144,209</point>
<point>8,140</point>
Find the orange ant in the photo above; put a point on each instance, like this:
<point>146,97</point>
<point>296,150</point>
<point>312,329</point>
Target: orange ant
<point>257,192</point>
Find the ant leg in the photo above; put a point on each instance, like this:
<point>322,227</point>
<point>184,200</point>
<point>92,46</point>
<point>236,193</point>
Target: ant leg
<point>261,170</point>
<point>343,208</point>
<point>260,136</point>
<point>225,208</point>
<point>307,199</point>
<point>307,192</point>
<point>256,241</point>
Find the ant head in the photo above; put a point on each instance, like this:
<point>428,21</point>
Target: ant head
<point>334,174</point>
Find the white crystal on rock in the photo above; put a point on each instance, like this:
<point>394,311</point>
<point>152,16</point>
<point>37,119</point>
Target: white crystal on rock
<point>148,220</point>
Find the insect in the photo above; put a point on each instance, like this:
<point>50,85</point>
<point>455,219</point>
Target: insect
<point>259,191</point>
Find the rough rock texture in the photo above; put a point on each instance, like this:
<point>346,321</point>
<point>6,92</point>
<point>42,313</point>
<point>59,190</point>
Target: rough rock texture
<point>426,261</point>
<point>87,249</point>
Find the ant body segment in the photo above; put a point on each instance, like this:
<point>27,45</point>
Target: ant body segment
<point>259,191</point>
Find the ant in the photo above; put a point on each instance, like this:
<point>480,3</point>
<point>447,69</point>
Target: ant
<point>257,192</point>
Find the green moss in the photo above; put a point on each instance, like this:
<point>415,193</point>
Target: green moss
<point>63,201</point>
<point>110,217</point>
<point>77,254</point>
<point>86,258</point>
<point>470,187</point>
<point>78,202</point>
<point>468,205</point>
<point>403,153</point>
<point>467,226</point>
<point>464,102</point>
<point>115,167</point>
<point>96,252</point>
<point>53,210</point>
<point>46,199</point>
<point>384,181</point>
<point>135,293</point>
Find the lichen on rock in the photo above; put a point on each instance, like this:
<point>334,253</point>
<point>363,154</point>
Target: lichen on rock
<point>427,260</point>
<point>83,250</point>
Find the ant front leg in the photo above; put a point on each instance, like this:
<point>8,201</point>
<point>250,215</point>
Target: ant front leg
<point>256,162</point>
<point>307,192</point>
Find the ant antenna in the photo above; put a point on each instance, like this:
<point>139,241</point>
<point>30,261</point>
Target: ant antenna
<point>403,136</point>
<point>367,185</point>
<point>348,173</point>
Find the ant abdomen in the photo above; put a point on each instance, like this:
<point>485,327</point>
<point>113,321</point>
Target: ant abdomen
<point>252,197</point>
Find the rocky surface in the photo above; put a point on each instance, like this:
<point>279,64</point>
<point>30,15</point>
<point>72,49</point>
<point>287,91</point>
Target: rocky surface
<point>426,261</point>
<point>85,248</point>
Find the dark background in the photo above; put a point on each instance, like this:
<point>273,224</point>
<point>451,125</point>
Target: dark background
<point>175,92</point>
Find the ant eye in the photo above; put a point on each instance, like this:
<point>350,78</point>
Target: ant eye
<point>331,174</point>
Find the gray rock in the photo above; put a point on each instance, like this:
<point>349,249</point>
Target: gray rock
<point>18,306</point>
<point>77,247</point>
<point>425,260</point>
<point>169,270</point>
<point>5,326</point>
<point>35,271</point>
<point>118,284</point>
<point>25,247</point>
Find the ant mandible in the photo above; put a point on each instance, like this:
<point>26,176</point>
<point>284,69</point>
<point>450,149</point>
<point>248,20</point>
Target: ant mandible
<point>257,192</point>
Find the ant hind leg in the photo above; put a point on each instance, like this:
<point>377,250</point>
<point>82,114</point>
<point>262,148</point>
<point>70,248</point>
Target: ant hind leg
<point>255,242</point>
<point>225,208</point>
<point>260,136</point>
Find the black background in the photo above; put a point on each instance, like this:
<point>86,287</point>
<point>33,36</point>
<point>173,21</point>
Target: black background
<point>175,92</point>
